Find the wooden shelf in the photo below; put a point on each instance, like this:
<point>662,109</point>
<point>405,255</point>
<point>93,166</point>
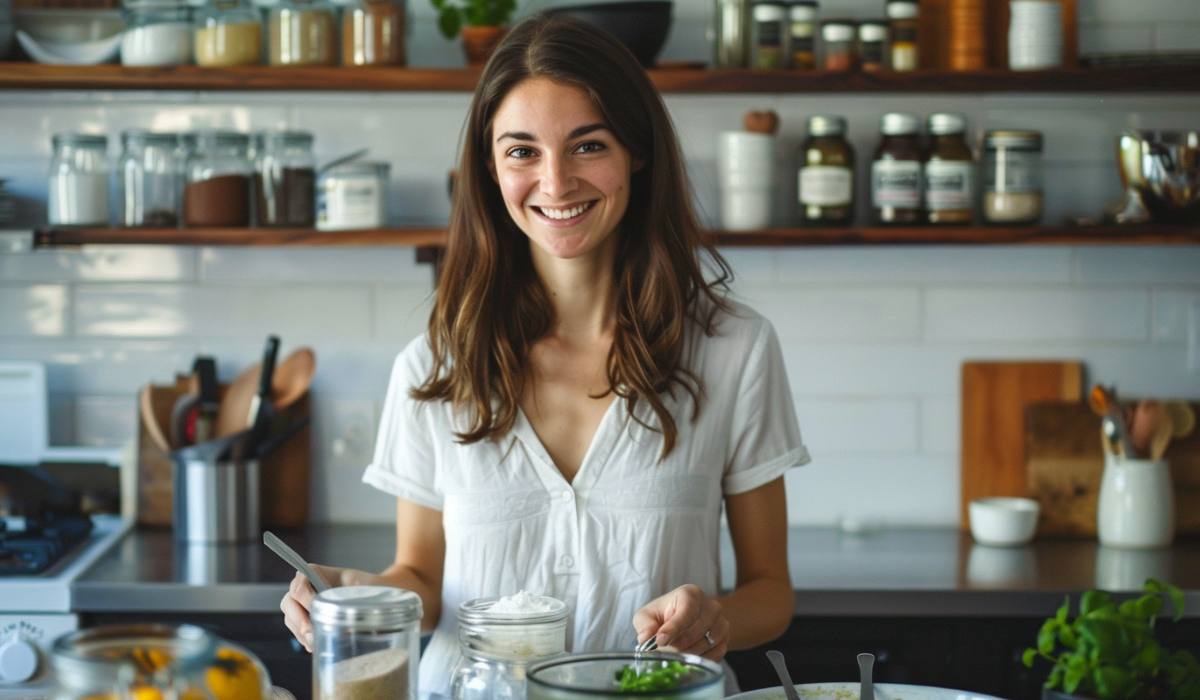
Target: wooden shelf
<point>36,76</point>
<point>779,237</point>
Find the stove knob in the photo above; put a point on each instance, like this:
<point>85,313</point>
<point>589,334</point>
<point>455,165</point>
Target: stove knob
<point>18,661</point>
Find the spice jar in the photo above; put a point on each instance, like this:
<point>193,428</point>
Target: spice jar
<point>218,181</point>
<point>770,29</point>
<point>967,48</point>
<point>731,38</point>
<point>896,171</point>
<point>1012,167</point>
<point>826,182</point>
<point>157,33</point>
<point>301,33</point>
<point>285,178</point>
<point>151,175</point>
<point>228,33</point>
<point>837,44</point>
<point>78,185</point>
<point>373,33</point>
<point>499,638</point>
<point>902,20</point>
<point>872,45</point>
<point>352,196</point>
<point>366,642</point>
<point>802,34</point>
<point>949,173</point>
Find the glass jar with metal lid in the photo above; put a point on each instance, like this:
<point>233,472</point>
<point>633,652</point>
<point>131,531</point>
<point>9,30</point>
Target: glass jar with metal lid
<point>499,638</point>
<point>157,33</point>
<point>949,172</point>
<point>896,171</point>
<point>285,178</point>
<point>352,195</point>
<point>78,183</point>
<point>838,49</point>
<point>217,192</point>
<point>151,177</point>
<point>366,643</point>
<point>373,33</point>
<point>1012,170</point>
<point>228,33</point>
<point>802,34</point>
<point>872,45</point>
<point>770,34</point>
<point>903,17</point>
<point>301,33</point>
<point>826,182</point>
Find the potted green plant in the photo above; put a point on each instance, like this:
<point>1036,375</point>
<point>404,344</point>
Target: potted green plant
<point>481,22</point>
<point>1109,651</point>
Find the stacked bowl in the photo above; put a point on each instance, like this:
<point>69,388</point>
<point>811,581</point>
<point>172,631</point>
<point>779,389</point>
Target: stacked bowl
<point>1035,39</point>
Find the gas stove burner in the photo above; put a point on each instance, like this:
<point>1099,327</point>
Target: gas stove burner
<point>31,545</point>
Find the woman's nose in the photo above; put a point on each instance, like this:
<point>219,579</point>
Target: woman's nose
<point>557,177</point>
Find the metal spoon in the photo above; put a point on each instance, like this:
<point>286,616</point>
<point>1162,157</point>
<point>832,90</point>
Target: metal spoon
<point>343,159</point>
<point>290,556</point>
<point>789,688</point>
<point>866,690</point>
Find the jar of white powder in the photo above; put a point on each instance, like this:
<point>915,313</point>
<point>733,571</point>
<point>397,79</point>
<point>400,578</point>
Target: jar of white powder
<point>366,642</point>
<point>499,637</point>
<point>78,183</point>
<point>157,33</point>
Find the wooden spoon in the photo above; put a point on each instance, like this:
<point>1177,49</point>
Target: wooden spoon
<point>235,403</point>
<point>1182,416</point>
<point>153,429</point>
<point>1163,433</point>
<point>293,377</point>
<point>1147,417</point>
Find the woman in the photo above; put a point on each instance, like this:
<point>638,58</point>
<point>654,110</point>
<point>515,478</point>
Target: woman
<point>583,400</point>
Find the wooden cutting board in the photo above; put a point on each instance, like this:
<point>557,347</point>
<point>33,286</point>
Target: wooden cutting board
<point>994,397</point>
<point>1066,463</point>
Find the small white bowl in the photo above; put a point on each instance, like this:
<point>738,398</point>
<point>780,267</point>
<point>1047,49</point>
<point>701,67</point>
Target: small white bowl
<point>80,53</point>
<point>1003,521</point>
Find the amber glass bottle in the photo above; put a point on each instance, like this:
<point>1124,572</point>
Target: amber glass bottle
<point>896,171</point>
<point>949,174</point>
<point>826,189</point>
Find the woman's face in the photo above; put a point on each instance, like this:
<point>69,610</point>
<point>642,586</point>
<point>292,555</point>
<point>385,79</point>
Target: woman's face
<point>563,174</point>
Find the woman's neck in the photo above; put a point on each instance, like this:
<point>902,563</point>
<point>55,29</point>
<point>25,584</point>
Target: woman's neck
<point>581,292</point>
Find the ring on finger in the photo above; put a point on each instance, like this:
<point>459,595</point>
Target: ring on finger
<point>709,638</point>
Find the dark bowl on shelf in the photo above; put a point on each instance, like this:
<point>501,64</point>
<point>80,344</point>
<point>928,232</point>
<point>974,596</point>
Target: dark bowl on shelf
<point>642,26</point>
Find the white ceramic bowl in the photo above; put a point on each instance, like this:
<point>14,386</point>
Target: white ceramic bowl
<point>79,53</point>
<point>849,691</point>
<point>1003,521</point>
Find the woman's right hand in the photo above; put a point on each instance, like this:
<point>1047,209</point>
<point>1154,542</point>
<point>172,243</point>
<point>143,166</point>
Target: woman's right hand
<point>298,600</point>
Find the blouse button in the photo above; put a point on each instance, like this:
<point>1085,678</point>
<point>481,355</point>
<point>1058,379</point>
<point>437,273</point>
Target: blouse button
<point>566,561</point>
<point>566,496</point>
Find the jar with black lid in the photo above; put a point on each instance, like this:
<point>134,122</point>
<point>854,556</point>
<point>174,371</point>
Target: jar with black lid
<point>770,32</point>
<point>802,34</point>
<point>949,173</point>
<point>826,181</point>
<point>896,172</point>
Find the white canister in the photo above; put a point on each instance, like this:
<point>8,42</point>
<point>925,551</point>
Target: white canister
<point>1035,30</point>
<point>1137,505</point>
<point>352,196</point>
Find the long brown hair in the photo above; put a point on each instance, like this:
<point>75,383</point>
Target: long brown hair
<point>491,307</point>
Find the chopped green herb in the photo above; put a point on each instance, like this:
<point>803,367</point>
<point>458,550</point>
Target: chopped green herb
<point>668,676</point>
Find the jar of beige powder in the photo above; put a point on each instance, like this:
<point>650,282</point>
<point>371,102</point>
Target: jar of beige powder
<point>228,33</point>
<point>366,643</point>
<point>302,33</point>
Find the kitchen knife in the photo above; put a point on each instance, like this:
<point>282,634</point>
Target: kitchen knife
<point>262,400</point>
<point>290,556</point>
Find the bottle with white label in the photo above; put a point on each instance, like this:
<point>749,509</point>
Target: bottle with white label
<point>949,174</point>
<point>896,172</point>
<point>826,182</point>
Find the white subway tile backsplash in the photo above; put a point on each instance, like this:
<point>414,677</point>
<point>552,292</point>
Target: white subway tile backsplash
<point>101,264</point>
<point>924,264</point>
<point>344,442</point>
<point>1181,36</point>
<point>839,427</point>
<point>875,491</point>
<point>1171,309</point>
<point>1148,265</point>
<point>1117,11</point>
<point>394,264</point>
<point>1049,314</point>
<point>1115,38</point>
<point>166,311</point>
<point>831,314</point>
<point>402,313</point>
<point>940,422</point>
<point>34,310</point>
<point>105,421</point>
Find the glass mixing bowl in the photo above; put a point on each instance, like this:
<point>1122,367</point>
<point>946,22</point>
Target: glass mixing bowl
<point>593,676</point>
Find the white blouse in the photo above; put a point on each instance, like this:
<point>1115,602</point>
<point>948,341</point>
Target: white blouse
<point>628,528</point>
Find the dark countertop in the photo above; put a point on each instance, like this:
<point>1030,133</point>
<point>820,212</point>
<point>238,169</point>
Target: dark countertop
<point>898,572</point>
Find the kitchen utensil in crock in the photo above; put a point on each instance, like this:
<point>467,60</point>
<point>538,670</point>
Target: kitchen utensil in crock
<point>1147,417</point>
<point>153,429</point>
<point>785,678</point>
<point>1182,417</point>
<point>1103,400</point>
<point>235,404</point>
<point>866,689</point>
<point>293,377</point>
<point>1164,430</point>
<point>204,374</point>
<point>291,557</point>
<point>354,155</point>
<point>260,403</point>
<point>185,404</point>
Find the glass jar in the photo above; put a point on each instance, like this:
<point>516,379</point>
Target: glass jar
<point>366,642</point>
<point>770,30</point>
<point>301,33</point>
<point>285,178</point>
<point>228,33</point>
<point>949,173</point>
<point>1012,168</point>
<point>78,184</point>
<point>373,33</point>
<point>838,46</point>
<point>157,33</point>
<point>731,48</point>
<point>151,176</point>
<point>132,661</point>
<point>497,647</point>
<point>872,45</point>
<point>896,171</point>
<point>826,182</point>
<point>902,20</point>
<point>352,196</point>
<point>217,192</point>
<point>802,34</point>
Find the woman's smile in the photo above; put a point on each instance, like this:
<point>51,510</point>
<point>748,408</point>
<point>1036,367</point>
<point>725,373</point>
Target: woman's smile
<point>565,216</point>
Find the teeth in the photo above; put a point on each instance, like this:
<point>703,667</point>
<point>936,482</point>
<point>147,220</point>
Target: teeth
<point>564,213</point>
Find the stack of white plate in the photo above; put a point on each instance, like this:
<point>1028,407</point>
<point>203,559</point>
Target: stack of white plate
<point>1035,34</point>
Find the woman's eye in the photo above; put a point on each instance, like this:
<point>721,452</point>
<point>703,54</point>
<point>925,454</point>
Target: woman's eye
<point>590,147</point>
<point>521,152</point>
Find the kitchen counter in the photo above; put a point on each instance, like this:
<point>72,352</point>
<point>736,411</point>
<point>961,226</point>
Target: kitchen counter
<point>899,572</point>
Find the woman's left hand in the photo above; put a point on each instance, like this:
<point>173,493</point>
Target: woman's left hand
<point>687,621</point>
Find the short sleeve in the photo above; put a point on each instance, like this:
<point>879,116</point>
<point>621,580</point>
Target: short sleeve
<point>405,462</point>
<point>765,440</point>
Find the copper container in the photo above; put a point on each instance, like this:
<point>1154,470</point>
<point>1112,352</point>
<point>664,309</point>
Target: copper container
<point>966,40</point>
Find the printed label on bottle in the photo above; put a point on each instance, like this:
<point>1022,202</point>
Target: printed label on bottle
<point>1015,171</point>
<point>949,185</point>
<point>904,56</point>
<point>825,186</point>
<point>350,202</point>
<point>896,183</point>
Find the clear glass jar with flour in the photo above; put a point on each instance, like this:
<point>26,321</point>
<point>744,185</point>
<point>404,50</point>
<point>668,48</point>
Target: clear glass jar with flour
<point>78,183</point>
<point>366,643</point>
<point>499,638</point>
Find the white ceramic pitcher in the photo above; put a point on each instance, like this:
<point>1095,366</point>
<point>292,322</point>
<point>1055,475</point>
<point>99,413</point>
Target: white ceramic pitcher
<point>1137,505</point>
